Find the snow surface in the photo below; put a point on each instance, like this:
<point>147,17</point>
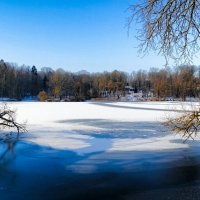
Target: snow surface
<point>122,132</point>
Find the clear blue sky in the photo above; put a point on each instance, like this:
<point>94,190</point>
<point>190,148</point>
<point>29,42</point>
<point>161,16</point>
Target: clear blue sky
<point>71,34</point>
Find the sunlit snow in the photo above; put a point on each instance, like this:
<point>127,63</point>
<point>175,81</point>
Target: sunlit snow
<point>105,131</point>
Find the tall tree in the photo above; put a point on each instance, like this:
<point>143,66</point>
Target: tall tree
<point>34,81</point>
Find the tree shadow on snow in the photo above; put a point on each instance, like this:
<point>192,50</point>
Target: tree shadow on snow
<point>118,129</point>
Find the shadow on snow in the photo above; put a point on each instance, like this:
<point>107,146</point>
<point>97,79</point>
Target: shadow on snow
<point>119,129</point>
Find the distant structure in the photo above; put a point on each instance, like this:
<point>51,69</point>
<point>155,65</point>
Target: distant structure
<point>131,95</point>
<point>129,90</point>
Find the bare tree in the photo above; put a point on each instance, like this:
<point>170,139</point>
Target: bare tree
<point>8,119</point>
<point>186,125</point>
<point>171,27</point>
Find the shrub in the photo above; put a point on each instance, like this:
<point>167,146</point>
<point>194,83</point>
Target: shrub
<point>42,96</point>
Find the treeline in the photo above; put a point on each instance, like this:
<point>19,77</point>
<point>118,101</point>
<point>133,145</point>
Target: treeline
<point>179,82</point>
<point>23,81</point>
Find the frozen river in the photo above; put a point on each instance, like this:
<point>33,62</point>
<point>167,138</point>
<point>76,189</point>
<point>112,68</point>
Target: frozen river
<point>98,151</point>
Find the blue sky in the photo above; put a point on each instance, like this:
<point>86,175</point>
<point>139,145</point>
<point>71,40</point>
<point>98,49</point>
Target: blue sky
<point>71,34</point>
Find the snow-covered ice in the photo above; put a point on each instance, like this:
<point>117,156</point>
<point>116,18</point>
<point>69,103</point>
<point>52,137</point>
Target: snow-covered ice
<point>121,131</point>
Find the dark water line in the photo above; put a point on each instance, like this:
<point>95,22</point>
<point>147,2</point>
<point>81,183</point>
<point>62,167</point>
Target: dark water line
<point>140,108</point>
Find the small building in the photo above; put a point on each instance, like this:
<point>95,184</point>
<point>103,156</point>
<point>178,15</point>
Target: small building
<point>131,95</point>
<point>129,90</point>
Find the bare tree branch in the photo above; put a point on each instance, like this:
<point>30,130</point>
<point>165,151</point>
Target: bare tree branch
<point>8,120</point>
<point>187,125</point>
<point>170,27</point>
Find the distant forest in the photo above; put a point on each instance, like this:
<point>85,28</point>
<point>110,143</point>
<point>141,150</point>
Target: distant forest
<point>17,82</point>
